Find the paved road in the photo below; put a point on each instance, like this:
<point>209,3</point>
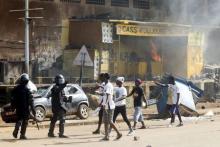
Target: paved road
<point>196,132</point>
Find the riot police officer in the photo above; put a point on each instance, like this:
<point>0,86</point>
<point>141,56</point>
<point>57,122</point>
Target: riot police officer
<point>58,106</point>
<point>22,100</point>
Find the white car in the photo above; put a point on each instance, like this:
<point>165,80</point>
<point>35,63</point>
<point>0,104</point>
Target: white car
<point>79,104</point>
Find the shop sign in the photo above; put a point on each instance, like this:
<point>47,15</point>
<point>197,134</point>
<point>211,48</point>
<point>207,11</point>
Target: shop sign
<point>140,30</point>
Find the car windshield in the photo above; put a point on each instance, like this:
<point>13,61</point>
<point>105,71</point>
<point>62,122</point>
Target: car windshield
<point>41,91</point>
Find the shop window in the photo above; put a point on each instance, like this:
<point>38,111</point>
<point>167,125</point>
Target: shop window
<point>97,2</point>
<point>70,1</point>
<point>120,3</point>
<point>142,4</point>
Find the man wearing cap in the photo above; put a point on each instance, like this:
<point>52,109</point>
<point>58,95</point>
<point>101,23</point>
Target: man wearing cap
<point>120,102</point>
<point>138,95</point>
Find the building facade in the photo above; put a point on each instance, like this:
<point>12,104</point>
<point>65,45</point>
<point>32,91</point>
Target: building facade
<point>175,46</point>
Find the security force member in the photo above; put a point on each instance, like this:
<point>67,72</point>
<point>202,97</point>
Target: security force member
<point>22,100</point>
<point>58,106</point>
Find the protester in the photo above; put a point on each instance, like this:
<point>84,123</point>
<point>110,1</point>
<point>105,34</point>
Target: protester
<point>108,108</point>
<point>100,93</point>
<point>173,104</point>
<point>22,99</point>
<point>138,96</point>
<point>58,106</point>
<point>120,102</point>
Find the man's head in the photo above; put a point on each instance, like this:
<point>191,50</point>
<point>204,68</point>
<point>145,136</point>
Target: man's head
<point>101,77</point>
<point>171,80</point>
<point>24,79</point>
<point>138,82</point>
<point>59,79</point>
<point>106,77</point>
<point>120,81</point>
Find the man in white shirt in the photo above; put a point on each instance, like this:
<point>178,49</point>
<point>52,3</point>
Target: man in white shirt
<point>175,101</point>
<point>120,102</point>
<point>108,108</point>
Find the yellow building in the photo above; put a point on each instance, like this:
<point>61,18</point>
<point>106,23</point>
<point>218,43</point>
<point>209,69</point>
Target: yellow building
<point>138,49</point>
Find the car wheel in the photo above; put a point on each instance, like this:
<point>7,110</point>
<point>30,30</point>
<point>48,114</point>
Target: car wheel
<point>40,113</point>
<point>83,111</point>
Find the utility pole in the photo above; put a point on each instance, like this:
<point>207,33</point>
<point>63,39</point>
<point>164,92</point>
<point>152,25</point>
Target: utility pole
<point>27,20</point>
<point>27,50</point>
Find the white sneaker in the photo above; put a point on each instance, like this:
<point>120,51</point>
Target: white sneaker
<point>131,132</point>
<point>170,125</point>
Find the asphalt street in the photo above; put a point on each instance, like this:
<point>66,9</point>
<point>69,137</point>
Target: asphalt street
<point>201,131</point>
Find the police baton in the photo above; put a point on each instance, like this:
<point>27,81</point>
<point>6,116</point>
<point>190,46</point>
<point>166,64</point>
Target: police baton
<point>35,121</point>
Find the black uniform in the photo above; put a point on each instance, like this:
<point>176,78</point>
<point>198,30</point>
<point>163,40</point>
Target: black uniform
<point>22,101</point>
<point>58,109</point>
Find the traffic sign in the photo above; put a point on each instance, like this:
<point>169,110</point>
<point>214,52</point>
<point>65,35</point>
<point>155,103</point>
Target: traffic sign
<point>83,57</point>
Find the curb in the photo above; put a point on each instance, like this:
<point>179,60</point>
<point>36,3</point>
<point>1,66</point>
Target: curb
<point>86,122</point>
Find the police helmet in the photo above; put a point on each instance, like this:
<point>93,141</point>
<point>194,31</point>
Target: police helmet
<point>59,79</point>
<point>24,78</point>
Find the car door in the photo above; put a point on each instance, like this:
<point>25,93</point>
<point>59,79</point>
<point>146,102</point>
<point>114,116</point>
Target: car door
<point>75,94</point>
<point>49,103</point>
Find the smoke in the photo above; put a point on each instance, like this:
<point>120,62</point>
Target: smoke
<point>201,15</point>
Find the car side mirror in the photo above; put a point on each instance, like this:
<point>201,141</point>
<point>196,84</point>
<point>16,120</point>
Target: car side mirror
<point>48,96</point>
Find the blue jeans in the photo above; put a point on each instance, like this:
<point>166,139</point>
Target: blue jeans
<point>138,116</point>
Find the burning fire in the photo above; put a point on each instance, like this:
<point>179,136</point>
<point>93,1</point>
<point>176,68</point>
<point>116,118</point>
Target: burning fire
<point>154,52</point>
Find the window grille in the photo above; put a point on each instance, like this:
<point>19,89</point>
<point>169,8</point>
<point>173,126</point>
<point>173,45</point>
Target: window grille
<point>142,4</point>
<point>97,2</point>
<point>120,3</point>
<point>70,1</point>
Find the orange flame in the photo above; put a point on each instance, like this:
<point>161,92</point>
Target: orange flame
<point>154,53</point>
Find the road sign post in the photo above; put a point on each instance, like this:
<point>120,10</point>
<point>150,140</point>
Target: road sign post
<point>82,59</point>
<point>81,69</point>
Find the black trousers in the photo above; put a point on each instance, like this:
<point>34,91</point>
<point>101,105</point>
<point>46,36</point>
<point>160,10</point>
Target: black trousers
<point>176,112</point>
<point>121,110</point>
<point>172,114</point>
<point>60,115</point>
<point>23,123</point>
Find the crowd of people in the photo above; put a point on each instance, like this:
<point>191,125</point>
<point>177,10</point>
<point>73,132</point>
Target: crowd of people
<point>112,102</point>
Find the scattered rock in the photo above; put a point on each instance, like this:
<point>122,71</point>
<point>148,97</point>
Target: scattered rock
<point>136,138</point>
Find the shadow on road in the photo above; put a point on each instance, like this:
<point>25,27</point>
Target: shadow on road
<point>77,142</point>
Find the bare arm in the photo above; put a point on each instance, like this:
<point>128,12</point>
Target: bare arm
<point>144,98</point>
<point>160,84</point>
<point>121,98</point>
<point>178,98</point>
<point>132,92</point>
